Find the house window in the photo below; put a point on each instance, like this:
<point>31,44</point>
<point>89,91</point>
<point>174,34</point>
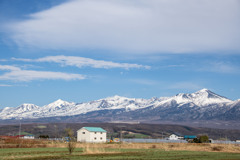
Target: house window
<point>101,132</point>
<point>95,138</point>
<point>83,132</point>
<point>101,138</point>
<point>95,132</point>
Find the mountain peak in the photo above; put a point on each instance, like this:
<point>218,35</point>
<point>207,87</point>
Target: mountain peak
<point>206,97</point>
<point>116,97</point>
<point>27,104</point>
<point>59,101</point>
<point>204,90</point>
<point>207,93</point>
<point>202,97</point>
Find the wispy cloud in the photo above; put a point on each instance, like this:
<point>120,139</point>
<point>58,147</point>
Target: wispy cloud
<point>5,85</point>
<point>220,67</point>
<point>8,67</point>
<point>17,74</point>
<point>172,66</point>
<point>83,62</point>
<point>145,26</point>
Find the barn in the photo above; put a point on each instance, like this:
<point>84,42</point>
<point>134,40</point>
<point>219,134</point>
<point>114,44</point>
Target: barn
<point>92,135</point>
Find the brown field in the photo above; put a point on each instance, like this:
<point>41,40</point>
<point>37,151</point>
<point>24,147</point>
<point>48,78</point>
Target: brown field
<point>233,148</point>
<point>21,143</point>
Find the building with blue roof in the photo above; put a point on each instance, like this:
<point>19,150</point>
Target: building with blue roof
<point>190,136</point>
<point>95,129</point>
<point>92,135</point>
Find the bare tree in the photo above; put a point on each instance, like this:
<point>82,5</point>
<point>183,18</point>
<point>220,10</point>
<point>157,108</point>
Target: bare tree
<point>70,140</point>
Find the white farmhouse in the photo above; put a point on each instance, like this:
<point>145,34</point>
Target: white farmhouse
<point>174,137</point>
<point>92,135</point>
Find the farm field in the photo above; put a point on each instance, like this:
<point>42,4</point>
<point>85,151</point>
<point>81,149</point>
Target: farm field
<point>131,151</point>
<point>130,154</point>
<point>23,149</point>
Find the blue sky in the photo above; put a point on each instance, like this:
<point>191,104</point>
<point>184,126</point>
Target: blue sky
<point>81,50</point>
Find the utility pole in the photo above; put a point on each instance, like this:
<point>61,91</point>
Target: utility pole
<point>121,128</point>
<point>121,136</point>
<point>20,126</point>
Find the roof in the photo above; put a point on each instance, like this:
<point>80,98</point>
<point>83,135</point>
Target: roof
<point>177,134</point>
<point>189,137</point>
<point>95,129</point>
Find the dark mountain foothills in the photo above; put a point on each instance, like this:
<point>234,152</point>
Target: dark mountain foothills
<point>57,130</point>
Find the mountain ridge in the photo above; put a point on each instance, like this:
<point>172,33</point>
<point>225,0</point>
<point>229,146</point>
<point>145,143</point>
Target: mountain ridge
<point>200,105</point>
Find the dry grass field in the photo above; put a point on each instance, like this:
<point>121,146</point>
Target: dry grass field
<point>42,149</point>
<point>232,148</point>
<point>38,143</point>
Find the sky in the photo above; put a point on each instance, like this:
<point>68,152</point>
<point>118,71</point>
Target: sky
<point>84,50</point>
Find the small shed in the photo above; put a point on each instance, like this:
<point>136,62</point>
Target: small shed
<point>92,135</point>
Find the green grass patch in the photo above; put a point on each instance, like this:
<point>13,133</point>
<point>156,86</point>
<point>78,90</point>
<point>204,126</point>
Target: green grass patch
<point>138,135</point>
<point>130,154</point>
<point>127,135</point>
<point>35,153</point>
<point>41,126</point>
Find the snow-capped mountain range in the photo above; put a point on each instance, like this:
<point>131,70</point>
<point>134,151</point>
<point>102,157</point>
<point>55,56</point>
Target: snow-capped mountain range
<point>201,105</point>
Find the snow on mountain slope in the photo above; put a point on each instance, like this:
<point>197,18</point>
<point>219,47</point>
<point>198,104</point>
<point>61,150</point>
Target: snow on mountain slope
<point>110,103</point>
<point>235,103</point>
<point>203,99</point>
<point>57,108</point>
<point>19,112</point>
<point>64,108</point>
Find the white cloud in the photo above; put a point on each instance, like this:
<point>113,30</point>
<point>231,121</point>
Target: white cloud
<point>7,67</point>
<point>143,26</point>
<point>17,74</point>
<point>83,62</point>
